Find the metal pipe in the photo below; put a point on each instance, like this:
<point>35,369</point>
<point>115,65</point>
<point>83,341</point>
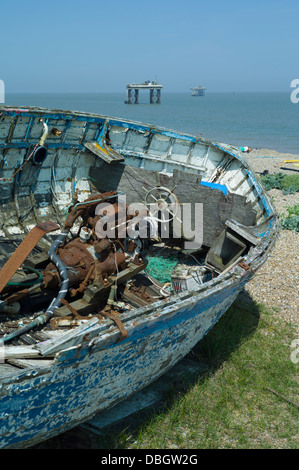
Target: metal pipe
<point>112,295</point>
<point>62,272</point>
<point>45,134</point>
<point>83,284</point>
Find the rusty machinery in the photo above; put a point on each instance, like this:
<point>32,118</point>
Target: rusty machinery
<point>90,258</point>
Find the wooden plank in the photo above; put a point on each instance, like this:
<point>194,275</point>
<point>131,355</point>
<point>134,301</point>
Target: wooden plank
<point>82,307</point>
<point>217,207</point>
<point>95,294</point>
<point>28,339</point>
<point>21,352</point>
<point>32,364</point>
<point>243,231</point>
<point>105,153</point>
<point>123,178</point>
<point>69,339</point>
<point>7,369</point>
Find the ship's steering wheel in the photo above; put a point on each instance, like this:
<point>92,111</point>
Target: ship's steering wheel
<point>161,200</point>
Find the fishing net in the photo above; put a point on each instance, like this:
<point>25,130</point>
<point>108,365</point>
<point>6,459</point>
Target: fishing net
<point>161,267</point>
<point>161,264</point>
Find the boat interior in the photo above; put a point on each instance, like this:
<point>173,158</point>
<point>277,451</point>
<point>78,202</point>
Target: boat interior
<point>100,218</point>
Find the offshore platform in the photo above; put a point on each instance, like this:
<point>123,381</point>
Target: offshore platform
<point>154,92</point>
<point>198,91</point>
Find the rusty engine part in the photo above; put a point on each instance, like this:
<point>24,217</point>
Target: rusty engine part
<point>91,257</point>
<point>88,259</point>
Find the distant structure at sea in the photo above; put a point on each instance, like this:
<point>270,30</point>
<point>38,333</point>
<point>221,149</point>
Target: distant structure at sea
<point>198,91</point>
<point>153,87</point>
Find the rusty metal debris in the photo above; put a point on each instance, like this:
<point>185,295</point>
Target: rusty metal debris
<point>82,262</point>
<point>89,257</point>
<point>244,266</point>
<point>23,250</point>
<point>113,316</point>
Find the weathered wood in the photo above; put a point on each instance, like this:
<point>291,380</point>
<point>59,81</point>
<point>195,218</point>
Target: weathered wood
<point>82,307</point>
<point>123,178</point>
<point>135,182</point>
<point>27,363</point>
<point>226,249</point>
<point>20,352</point>
<point>28,339</point>
<point>7,369</point>
<point>94,294</point>
<point>253,232</point>
<point>242,231</point>
<point>105,153</point>
<point>69,339</point>
<point>217,207</point>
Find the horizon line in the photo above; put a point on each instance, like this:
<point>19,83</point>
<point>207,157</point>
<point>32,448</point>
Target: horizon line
<point>123,92</point>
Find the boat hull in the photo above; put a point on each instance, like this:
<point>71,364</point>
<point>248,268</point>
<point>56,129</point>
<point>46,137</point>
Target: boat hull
<point>91,375</point>
<point>83,382</point>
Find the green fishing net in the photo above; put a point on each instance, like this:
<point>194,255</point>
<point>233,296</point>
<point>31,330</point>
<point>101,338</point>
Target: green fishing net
<point>161,266</point>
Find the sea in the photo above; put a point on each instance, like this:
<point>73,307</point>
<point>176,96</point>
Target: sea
<point>262,120</point>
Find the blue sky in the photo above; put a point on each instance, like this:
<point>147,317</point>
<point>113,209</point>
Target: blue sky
<point>100,46</point>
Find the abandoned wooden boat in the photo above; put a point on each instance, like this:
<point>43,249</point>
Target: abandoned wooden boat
<point>105,284</point>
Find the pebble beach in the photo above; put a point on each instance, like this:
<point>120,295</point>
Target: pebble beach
<point>276,283</point>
